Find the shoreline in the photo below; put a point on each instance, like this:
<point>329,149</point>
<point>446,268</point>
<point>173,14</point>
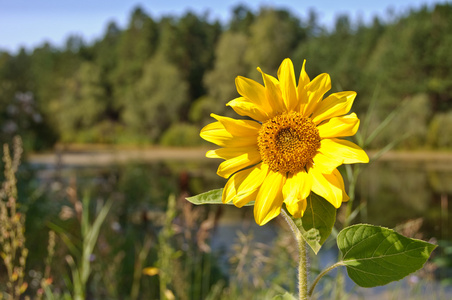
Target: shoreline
<point>86,156</point>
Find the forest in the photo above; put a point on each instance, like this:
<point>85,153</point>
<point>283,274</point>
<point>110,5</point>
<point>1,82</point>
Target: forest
<point>156,81</point>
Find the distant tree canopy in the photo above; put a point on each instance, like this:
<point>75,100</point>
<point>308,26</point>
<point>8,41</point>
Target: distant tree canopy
<point>158,79</point>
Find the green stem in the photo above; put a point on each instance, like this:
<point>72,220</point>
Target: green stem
<point>352,174</point>
<point>311,290</point>
<point>302,259</point>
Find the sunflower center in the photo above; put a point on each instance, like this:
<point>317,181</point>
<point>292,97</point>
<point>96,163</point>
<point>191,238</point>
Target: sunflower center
<point>288,142</point>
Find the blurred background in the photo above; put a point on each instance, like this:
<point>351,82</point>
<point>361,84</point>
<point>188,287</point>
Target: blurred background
<point>109,98</point>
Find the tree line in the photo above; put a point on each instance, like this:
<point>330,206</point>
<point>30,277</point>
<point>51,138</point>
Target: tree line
<point>157,80</point>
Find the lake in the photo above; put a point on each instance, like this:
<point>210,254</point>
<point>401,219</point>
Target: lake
<point>408,191</point>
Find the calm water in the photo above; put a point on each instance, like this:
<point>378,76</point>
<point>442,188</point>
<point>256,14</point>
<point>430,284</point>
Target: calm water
<point>414,196</point>
<point>391,193</point>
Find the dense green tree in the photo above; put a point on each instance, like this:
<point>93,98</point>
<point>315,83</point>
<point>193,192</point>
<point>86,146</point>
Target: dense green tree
<point>157,99</point>
<point>439,64</point>
<point>189,43</point>
<point>43,69</point>
<point>17,104</point>
<point>135,46</point>
<point>81,105</point>
<point>242,19</point>
<point>14,75</point>
<point>229,64</point>
<point>7,83</point>
<point>106,58</point>
<point>424,36</point>
<point>135,83</point>
<point>273,36</point>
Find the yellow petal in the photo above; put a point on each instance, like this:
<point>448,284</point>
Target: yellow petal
<point>250,89</point>
<point>337,104</point>
<point>327,186</point>
<point>339,126</point>
<point>297,209</point>
<point>327,164</point>
<point>303,81</point>
<point>247,108</point>
<point>250,186</point>
<point>273,94</point>
<point>287,84</point>
<point>269,198</point>
<point>231,187</point>
<point>315,91</point>
<point>295,191</point>
<point>228,153</point>
<point>217,134</point>
<point>238,127</point>
<point>344,150</point>
<point>340,182</point>
<point>243,186</point>
<point>297,186</point>
<point>232,165</point>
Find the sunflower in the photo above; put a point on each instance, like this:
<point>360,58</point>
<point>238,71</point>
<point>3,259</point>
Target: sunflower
<point>290,148</point>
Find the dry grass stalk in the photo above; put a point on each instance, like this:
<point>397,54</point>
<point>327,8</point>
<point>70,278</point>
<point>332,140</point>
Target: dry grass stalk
<point>12,225</point>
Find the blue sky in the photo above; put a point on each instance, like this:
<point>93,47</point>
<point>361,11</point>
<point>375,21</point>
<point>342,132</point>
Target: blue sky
<point>29,23</point>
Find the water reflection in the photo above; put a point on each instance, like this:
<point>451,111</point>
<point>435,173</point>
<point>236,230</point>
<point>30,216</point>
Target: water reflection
<point>396,192</point>
<point>413,196</point>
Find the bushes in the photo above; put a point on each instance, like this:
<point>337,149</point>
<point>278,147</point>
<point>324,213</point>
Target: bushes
<point>439,134</point>
<point>409,125</point>
<point>180,135</point>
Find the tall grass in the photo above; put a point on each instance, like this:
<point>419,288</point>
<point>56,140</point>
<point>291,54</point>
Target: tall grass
<point>177,244</point>
<point>168,251</point>
<point>12,239</point>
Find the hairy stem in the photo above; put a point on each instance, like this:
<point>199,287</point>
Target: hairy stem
<point>311,290</point>
<point>302,259</point>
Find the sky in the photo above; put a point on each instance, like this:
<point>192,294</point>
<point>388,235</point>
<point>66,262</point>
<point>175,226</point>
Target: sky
<point>30,23</point>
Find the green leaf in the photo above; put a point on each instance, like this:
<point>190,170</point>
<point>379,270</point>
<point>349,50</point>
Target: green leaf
<point>317,222</point>
<point>211,197</point>
<point>286,296</point>
<point>70,241</point>
<point>376,256</point>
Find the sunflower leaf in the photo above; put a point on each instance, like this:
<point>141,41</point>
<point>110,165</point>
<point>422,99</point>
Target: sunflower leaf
<point>211,197</point>
<point>317,222</point>
<point>375,255</point>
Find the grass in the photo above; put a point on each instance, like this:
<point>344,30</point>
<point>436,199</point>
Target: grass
<point>139,244</point>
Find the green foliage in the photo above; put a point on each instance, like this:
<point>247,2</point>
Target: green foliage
<point>439,135</point>
<point>80,259</point>
<point>181,135</point>
<point>134,47</point>
<point>82,102</point>
<point>373,255</point>
<point>211,197</point>
<point>273,36</point>
<point>317,221</point>
<point>156,100</point>
<point>133,83</point>
<point>230,62</point>
<point>128,239</point>
<point>201,109</point>
<point>376,256</point>
<point>412,119</point>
